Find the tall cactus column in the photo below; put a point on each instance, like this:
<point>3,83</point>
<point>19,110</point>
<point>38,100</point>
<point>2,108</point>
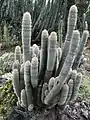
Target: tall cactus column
<point>26,36</point>
<point>72,19</point>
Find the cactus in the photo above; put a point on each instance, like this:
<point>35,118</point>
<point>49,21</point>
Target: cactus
<point>34,72</point>
<point>60,34</point>
<point>76,86</point>
<point>70,84</point>
<point>16,82</point>
<point>26,36</point>
<point>72,19</point>
<point>18,54</point>
<point>27,82</point>
<point>23,98</point>
<point>66,68</point>
<point>80,49</point>
<point>36,50</point>
<point>64,95</point>
<point>22,85</point>
<point>37,82</point>
<point>43,54</point>
<point>86,25</point>
<point>51,58</point>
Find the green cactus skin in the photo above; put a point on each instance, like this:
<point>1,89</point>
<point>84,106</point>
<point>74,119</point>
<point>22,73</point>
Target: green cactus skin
<point>15,82</point>
<point>22,85</point>
<point>51,83</point>
<point>76,86</point>
<point>26,36</point>
<point>80,49</point>
<point>23,98</point>
<point>71,85</point>
<point>18,54</point>
<point>63,95</point>
<point>36,50</point>
<point>44,88</point>
<point>43,54</point>
<point>34,72</point>
<point>72,19</point>
<point>61,79</point>
<point>51,56</point>
<point>27,82</point>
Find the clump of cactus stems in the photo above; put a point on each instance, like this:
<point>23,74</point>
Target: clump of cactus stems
<point>46,77</point>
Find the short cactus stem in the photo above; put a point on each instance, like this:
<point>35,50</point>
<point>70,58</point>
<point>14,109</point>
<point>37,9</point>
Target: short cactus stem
<point>34,72</point>
<point>18,54</point>
<point>76,86</point>
<point>23,98</point>
<point>15,81</point>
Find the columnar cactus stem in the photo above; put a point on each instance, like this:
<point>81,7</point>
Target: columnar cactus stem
<point>72,19</point>
<point>51,83</point>
<point>43,54</point>
<point>23,98</point>
<point>51,56</point>
<point>76,86</point>
<point>18,54</point>
<point>44,88</point>
<point>71,85</point>
<point>80,49</point>
<point>26,36</point>
<point>22,85</point>
<point>15,81</point>
<point>34,72</point>
<point>66,68</point>
<point>27,83</point>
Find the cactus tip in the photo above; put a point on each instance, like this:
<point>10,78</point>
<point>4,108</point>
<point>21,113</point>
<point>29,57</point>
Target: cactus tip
<point>74,8</point>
